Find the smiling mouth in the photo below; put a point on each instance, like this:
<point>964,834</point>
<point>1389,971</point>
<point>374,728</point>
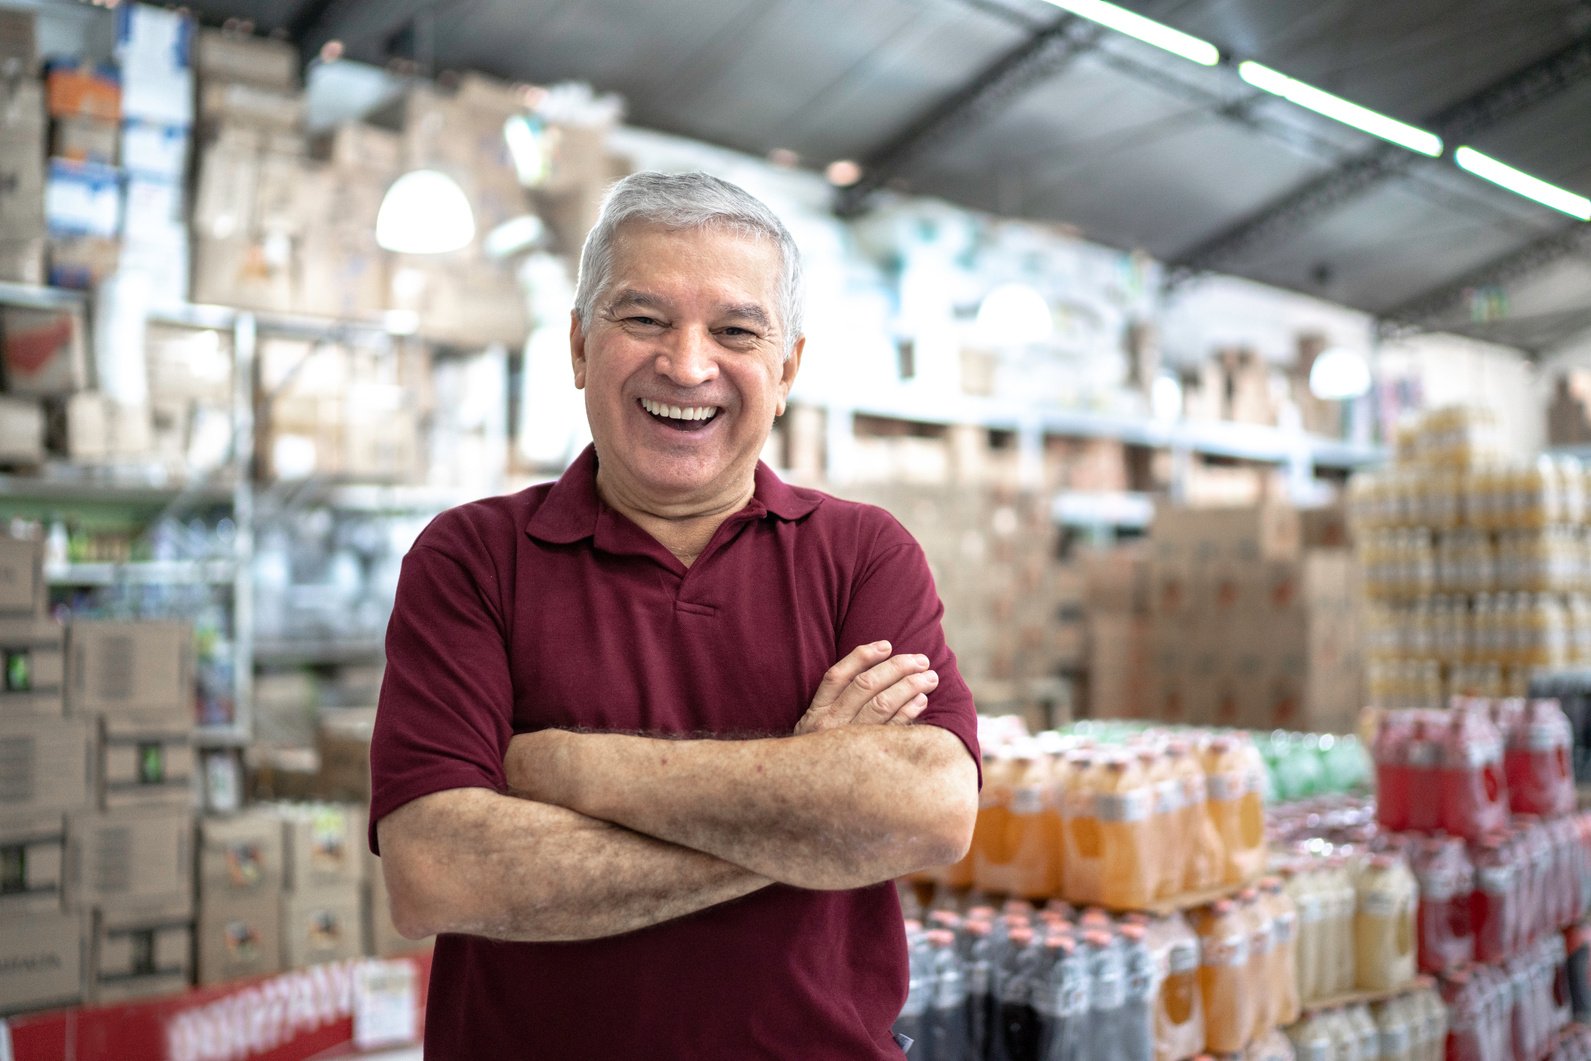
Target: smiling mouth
<point>680,417</point>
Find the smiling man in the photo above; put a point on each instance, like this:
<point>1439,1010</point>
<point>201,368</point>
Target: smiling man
<point>655,739</point>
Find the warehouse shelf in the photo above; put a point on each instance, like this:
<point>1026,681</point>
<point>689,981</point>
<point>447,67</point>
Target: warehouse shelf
<point>62,482</point>
<point>222,737</point>
<point>1124,509</point>
<point>34,297</point>
<point>145,572</point>
<point>307,653</point>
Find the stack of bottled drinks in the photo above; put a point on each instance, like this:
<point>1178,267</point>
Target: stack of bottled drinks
<point>1043,984</point>
<point>1477,570</point>
<point>1157,815</point>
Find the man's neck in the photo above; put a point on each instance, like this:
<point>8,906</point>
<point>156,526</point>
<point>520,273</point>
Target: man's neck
<point>683,532</point>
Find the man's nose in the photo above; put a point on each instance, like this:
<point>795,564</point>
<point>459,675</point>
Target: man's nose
<point>689,359</point>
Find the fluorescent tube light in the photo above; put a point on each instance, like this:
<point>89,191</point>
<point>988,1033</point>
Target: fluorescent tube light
<point>1335,107</point>
<point>1147,30</point>
<point>1522,183</point>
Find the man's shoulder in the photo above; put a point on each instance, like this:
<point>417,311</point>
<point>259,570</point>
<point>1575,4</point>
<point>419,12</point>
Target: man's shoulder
<point>485,522</point>
<point>850,519</point>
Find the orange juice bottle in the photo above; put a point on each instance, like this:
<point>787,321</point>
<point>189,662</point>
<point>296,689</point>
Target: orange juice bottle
<point>1283,972</point>
<point>1223,977</point>
<point>1123,804</point>
<point>1082,848</point>
<point>1164,819</point>
<point>1032,823</point>
<point>1179,1008</point>
<point>1236,808</point>
<point>991,856</point>
<point>1201,853</point>
<point>1260,947</point>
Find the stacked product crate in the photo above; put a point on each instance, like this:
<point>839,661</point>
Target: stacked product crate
<point>1477,569</point>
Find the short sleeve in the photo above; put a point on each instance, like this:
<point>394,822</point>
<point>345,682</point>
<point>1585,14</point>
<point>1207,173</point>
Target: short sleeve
<point>444,717</point>
<point>894,599</point>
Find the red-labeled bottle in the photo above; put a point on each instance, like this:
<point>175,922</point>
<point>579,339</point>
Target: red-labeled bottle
<point>1391,751</point>
<point>1494,913</point>
<point>1536,761</point>
<point>1474,793</point>
<point>1447,885</point>
<point>1423,759</point>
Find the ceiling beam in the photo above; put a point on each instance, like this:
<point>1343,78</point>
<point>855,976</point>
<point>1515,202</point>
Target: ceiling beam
<point>1424,311</point>
<point>1042,55</point>
<point>1352,177</point>
<point>364,28</point>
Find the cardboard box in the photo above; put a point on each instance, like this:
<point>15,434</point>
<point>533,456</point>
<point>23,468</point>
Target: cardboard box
<point>78,89</point>
<point>46,764</point>
<point>137,668</point>
<point>22,588</point>
<point>1267,531</point>
<point>153,209</point>
<point>42,351</point>
<point>153,48</point>
<point>133,861</point>
<point>80,263</point>
<point>140,955</point>
<point>85,140</point>
<point>343,741</point>
<point>33,653</point>
<point>19,48</point>
<point>240,857</point>
<point>227,56</point>
<point>152,149</point>
<point>94,429</point>
<point>239,937</point>
<point>21,260</point>
<point>1119,665</point>
<point>322,844</point>
<point>246,272</point>
<point>22,157</point>
<point>41,961</point>
<point>82,199</point>
<point>1116,580</point>
<point>144,765</point>
<point>21,431</point>
<point>32,864</point>
<point>251,106</point>
<point>322,926</point>
<point>364,151</point>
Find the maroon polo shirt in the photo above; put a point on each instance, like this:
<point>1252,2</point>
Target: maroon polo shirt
<point>549,608</point>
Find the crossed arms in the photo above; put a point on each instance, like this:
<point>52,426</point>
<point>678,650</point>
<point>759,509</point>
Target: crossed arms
<point>603,833</point>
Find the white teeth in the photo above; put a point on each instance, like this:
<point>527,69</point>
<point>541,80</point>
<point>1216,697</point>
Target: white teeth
<point>676,412</point>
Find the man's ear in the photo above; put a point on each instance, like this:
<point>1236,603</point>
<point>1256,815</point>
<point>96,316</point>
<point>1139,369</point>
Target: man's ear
<point>792,365</point>
<point>577,350</point>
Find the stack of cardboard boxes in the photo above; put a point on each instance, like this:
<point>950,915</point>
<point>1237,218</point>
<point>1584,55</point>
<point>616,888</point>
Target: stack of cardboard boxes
<point>45,775</point>
<point>1251,627</point>
<point>1116,603</point>
<point>22,140</point>
<point>131,856</point>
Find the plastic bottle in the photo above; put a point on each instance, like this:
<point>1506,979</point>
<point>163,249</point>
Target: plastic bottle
<point>1261,943</point>
<point>1302,887</point>
<point>1422,758</point>
<point>1034,824</point>
<point>1223,967</point>
<point>1082,848</point>
<point>1122,806</point>
<point>946,1024</point>
<point>1393,1033</point>
<point>1393,790</point>
<point>979,955</point>
<point>1339,928</point>
<point>1364,1025</point>
<point>1232,768</point>
<point>1312,1039</point>
<point>1166,838</point>
<point>1203,854</point>
<point>1446,938</point>
<point>1474,796</point>
<point>1051,1001</point>
<point>991,831</point>
<point>1495,915</point>
<point>1017,1031</point>
<point>1282,972</point>
<point>1179,1008</point>
<point>1536,761</point>
<point>1107,993</point>
<point>1137,1011</point>
<point>1384,925</point>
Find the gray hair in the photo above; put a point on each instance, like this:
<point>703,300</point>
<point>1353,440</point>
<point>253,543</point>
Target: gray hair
<point>682,201</point>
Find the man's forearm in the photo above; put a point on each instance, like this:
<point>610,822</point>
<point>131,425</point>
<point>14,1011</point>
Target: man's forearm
<point>479,862</point>
<point>833,809</point>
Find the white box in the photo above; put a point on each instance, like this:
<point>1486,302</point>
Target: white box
<point>152,149</point>
<point>82,199</point>
<point>151,207</point>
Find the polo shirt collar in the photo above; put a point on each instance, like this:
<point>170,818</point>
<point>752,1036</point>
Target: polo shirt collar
<point>573,507</point>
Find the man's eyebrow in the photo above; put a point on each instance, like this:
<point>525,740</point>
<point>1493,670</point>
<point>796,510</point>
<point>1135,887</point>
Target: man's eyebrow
<point>630,296</point>
<point>750,311</point>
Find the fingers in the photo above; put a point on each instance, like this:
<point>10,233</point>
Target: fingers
<point>874,691</point>
<point>839,677</point>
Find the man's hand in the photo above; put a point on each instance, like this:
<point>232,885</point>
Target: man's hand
<point>870,687</point>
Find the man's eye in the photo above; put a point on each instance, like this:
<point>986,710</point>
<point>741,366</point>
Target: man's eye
<point>647,322</point>
<point>739,333</point>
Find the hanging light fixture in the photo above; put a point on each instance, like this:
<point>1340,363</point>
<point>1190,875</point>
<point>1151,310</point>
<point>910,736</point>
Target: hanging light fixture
<point>425,212</point>
<point>1339,374</point>
<point>1014,315</point>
